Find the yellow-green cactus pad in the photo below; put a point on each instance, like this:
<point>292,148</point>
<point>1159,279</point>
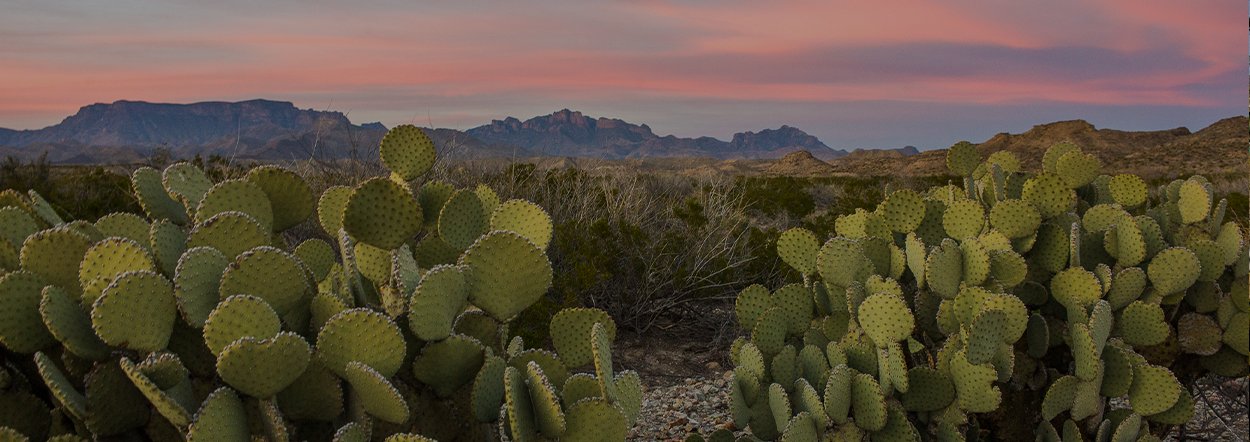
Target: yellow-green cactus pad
<point>524,218</point>
<point>408,438</point>
<point>318,255</point>
<point>1117,372</point>
<point>930,229</point>
<point>838,394</point>
<point>462,219</point>
<point>1059,397</point>
<point>431,197</point>
<point>585,385</point>
<point>867,403</point>
<point>479,326</point>
<point>916,254</point>
<point>944,269</point>
<point>520,410</point>
<point>373,263</point>
<point>928,390</point>
<point>1076,286</point>
<point>962,159</point>
<point>290,198</point>
<point>840,261</point>
<point>985,336</point>
<point>1237,335</point>
<point>1048,193</point>
<point>964,218</point>
<point>66,320</point>
<point>154,198</point>
<point>1128,190</point>
<point>137,311</point>
<point>798,248</point>
<point>595,420</point>
<point>1179,414</point>
<point>167,404</point>
<point>886,318</point>
<point>1154,390</point>
<point>432,251</point>
<point>187,183</point>
<point>488,390</point>
<point>330,208</point>
<point>269,274</point>
<point>1195,202</point>
<point>316,395</point>
<point>236,196</point>
<point>897,427</point>
<point>1143,324</point>
<point>221,418</point>
<point>439,297</point>
<point>1174,270</point>
<point>377,396</point>
<point>507,273</point>
<point>231,233</point>
<point>1210,258</point>
<point>601,347</point>
<point>381,213</point>
<point>168,243</point>
<point>55,255</point>
<point>10,257</point>
<point>354,432</point>
<point>1008,267</point>
<point>1230,241</point>
<point>1077,169</point>
<point>125,225</point>
<point>903,210</point>
<point>861,224</point>
<point>547,411</point>
<point>263,367</point>
<point>114,405</point>
<point>196,283</point>
<point>974,384</point>
<point>488,198</point>
<point>1050,160</point>
<point>23,417</point>
<point>112,257</point>
<point>976,261</point>
<point>629,395</point>
<point>22,329</point>
<point>69,398</point>
<point>361,335</point>
<point>238,317</point>
<point>556,371</point>
<point>407,151</point>
<point>571,333</point>
<point>1015,218</point>
<point>1017,315</point>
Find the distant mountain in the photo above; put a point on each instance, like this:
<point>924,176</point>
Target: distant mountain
<point>571,134</point>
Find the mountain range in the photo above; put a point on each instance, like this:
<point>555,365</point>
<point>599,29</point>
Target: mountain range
<point>126,131</point>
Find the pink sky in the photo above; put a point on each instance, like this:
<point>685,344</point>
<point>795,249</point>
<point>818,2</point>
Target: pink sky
<point>855,73</point>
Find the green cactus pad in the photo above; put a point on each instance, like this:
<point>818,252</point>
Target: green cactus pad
<point>64,318</point>
<point>196,282</point>
<point>381,213</point>
<point>1017,315</point>
<point>1084,352</point>
<point>1230,241</point>
<point>114,405</point>
<point>1077,169</point>
<point>964,218</point>
<point>769,333</point>
<point>867,403</point>
<point>222,417</point>
<point>1117,372</point>
<point>263,367</point>
<point>171,405</point>
<point>316,395</point>
<point>432,251</point>
<point>840,260</point>
<point>1195,202</point>
<point>239,317</point>
<point>168,243</point>
<point>930,229</point>
<point>1154,390</point>
<point>1015,218</point>
<point>449,364</point>
<point>236,196</point>
<point>1059,397</point>
<point>1237,335</point>
<point>1051,249</point>
<point>1143,324</point>
<point>318,255</point>
<point>1008,267</point>
<point>916,255</point>
<point>928,390</point>
<point>1210,259</point>
<point>519,408</point>
<point>968,304</point>
<point>462,219</point>
<point>124,225</point>
<point>289,195</point>
<point>750,304</point>
<point>361,335</point>
<point>111,257</point>
<point>508,273</point>
<point>751,358</point>
<point>986,335</point>
<point>595,420</point>
<point>903,210</point>
<point>269,274</point>
<point>42,209</point>
<point>601,346</point>
<point>585,385</point>
<point>23,417</point>
<point>861,224</point>
<point>976,263</point>
<point>1126,287</point>
<point>22,329</point>
<point>796,301</point>
<point>377,396</point>
<point>944,269</point>
<point>1050,160</point>
<point>547,411</point>
<point>136,311</point>
<point>973,384</point>
<point>488,390</point>
<point>886,318</point>
<point>187,183</point>
<point>69,398</point>
<point>407,151</point>
<point>813,364</point>
<point>54,255</point>
<point>231,233</point>
<point>477,325</point>
<point>962,159</point>
<point>439,297</point>
<point>524,218</point>
<point>431,197</point>
<point>330,208</point>
<point>1076,286</point>
<point>1179,414</point>
<point>373,263</point>
<point>897,428</point>
<point>571,334</point>
<point>1128,190</point>
<point>798,248</point>
<point>1048,193</point>
<point>838,394</point>
<point>153,197</point>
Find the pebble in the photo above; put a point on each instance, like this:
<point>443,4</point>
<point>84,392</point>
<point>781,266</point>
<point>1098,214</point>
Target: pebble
<point>671,413</point>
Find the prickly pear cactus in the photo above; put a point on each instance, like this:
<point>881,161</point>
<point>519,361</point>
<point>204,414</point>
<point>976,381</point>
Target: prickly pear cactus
<point>1020,305</point>
<point>197,320</point>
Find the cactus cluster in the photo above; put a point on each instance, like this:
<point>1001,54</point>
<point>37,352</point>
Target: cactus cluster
<point>1058,290</point>
<point>197,321</point>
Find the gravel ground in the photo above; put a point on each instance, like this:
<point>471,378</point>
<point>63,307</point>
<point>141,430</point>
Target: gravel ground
<point>674,408</point>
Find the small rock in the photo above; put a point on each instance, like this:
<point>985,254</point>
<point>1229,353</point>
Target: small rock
<point>678,422</point>
<point>712,366</point>
<point>720,383</point>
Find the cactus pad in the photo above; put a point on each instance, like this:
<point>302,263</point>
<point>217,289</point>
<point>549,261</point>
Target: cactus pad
<point>1048,193</point>
<point>22,329</point>
<point>867,403</point>
<point>546,403</point>
<point>449,364</point>
<point>111,257</point>
<point>595,420</point>
<point>1015,218</point>
<point>269,274</point>
<point>962,159</point>
<point>1154,390</point>
<point>318,255</point>
<point>196,282</point>
<point>944,269</point>
<point>585,385</point>
<point>166,404</point>
<point>1210,259</point>
<point>798,248</point>
<point>231,233</point>
<point>1174,270</point>
<point>462,219</point>
<point>1198,334</point>
<point>488,390</point>
<point>361,335</point>
<point>289,196</point>
<point>54,255</point>
<point>928,390</point>
<point>152,195</point>
<point>986,335</point>
<point>571,330</point>
<point>114,405</point>
<point>221,418</point>
<point>64,318</point>
<point>263,367</point>
<point>507,274</point>
<point>1143,324</point>
<point>69,398</point>
<point>407,151</point>
<point>377,396</point>
<point>439,297</point>
<point>1076,286</point>
<point>524,218</point>
<point>1077,169</point>
<point>1128,190</point>
<point>601,347</point>
<point>1195,202</point>
<point>1008,267</point>
<point>186,182</point>
<point>973,384</point>
<point>136,311</point>
<point>964,218</point>
<point>236,196</point>
<point>886,318</point>
<point>381,213</point>
<point>840,261</point>
<point>903,210</point>
<point>125,225</point>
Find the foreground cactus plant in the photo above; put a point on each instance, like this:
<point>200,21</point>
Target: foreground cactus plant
<point>203,324</point>
<point>1018,302</point>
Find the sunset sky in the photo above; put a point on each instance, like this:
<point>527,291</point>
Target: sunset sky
<point>857,74</point>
